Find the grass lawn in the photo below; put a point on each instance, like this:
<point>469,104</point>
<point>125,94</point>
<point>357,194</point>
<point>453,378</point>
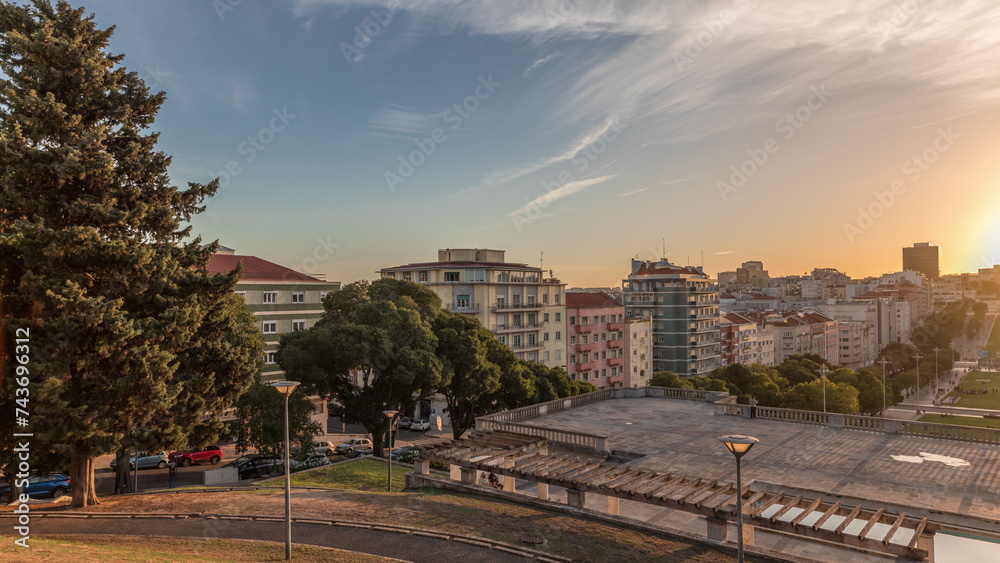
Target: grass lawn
<point>988,400</point>
<point>101,549</point>
<point>961,421</point>
<point>359,475</point>
<point>993,344</point>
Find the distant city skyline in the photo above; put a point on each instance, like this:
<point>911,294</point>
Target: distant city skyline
<point>354,135</point>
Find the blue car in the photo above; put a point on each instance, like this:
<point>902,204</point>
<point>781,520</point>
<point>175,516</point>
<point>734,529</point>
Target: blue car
<point>40,486</point>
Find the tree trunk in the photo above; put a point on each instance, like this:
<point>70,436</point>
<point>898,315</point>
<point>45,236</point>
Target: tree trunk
<point>84,488</point>
<point>122,481</point>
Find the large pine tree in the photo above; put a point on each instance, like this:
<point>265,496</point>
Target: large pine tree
<point>125,323</point>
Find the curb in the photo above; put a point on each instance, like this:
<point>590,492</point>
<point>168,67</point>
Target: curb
<point>472,540</point>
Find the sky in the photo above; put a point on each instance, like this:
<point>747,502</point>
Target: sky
<point>353,135</point>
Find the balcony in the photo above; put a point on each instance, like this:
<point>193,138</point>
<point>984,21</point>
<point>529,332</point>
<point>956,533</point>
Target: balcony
<point>501,328</point>
<point>526,347</point>
<point>499,307</point>
<point>517,279</point>
<point>586,366</point>
<point>616,344</point>
<point>616,379</point>
<point>462,307</point>
<point>616,361</point>
<point>616,326</point>
<point>584,328</point>
<point>585,347</point>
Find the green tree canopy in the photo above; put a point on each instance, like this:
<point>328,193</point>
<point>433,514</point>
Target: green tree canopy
<point>840,397</point>
<point>94,258</point>
<point>382,331</point>
<point>261,420</point>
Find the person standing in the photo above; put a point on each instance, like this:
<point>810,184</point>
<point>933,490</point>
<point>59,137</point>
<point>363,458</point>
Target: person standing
<point>753,407</point>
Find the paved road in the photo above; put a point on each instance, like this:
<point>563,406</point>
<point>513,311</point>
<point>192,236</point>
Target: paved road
<point>420,549</point>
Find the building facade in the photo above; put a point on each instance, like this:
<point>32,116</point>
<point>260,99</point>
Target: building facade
<point>804,333</point>
<point>596,346</point>
<point>923,258</point>
<point>683,304</point>
<point>523,309</point>
<point>638,351</point>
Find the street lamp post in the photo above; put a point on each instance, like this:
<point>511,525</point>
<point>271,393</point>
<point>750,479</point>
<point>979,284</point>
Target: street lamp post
<point>391,417</point>
<point>936,384</point>
<point>883,361</point>
<point>739,445</point>
<point>286,388</point>
<point>823,370</point>
<point>917,357</point>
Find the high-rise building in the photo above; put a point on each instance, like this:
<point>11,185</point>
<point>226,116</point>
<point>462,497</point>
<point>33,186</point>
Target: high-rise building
<point>523,309</point>
<point>638,351</point>
<point>683,304</point>
<point>923,258</point>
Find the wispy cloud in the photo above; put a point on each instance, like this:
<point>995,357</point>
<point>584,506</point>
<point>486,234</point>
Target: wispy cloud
<point>679,180</point>
<point>561,192</point>
<point>397,119</point>
<point>633,192</point>
<point>504,175</point>
<point>539,63</point>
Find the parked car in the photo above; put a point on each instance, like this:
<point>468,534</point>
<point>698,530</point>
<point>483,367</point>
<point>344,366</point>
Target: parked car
<point>406,454</point>
<point>315,459</point>
<point>346,446</point>
<point>257,465</point>
<point>54,485</point>
<point>146,460</point>
<point>404,422</point>
<point>323,447</point>
<point>422,425</point>
<point>360,450</point>
<point>211,454</point>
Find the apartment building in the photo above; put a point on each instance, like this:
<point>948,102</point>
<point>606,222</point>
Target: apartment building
<point>683,304</point>
<point>638,351</point>
<point>923,258</point>
<point>523,309</point>
<point>804,333</point>
<point>282,300</point>
<point>596,346</point>
<point>856,346</point>
<point>738,341</point>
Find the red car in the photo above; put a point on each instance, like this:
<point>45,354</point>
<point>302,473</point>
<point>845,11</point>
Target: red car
<point>212,454</point>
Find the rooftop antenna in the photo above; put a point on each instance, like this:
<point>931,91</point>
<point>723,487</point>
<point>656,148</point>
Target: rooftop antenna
<point>663,249</point>
<point>541,262</point>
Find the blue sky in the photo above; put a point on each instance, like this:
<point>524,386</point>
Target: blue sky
<point>353,135</point>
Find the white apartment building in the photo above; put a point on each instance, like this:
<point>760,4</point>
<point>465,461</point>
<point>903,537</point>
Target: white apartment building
<point>525,310</point>
<point>638,351</point>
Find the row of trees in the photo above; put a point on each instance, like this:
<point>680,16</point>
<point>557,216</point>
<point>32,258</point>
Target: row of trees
<point>385,345</point>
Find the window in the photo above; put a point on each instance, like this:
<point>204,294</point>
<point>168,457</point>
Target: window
<point>270,327</point>
<point>557,299</point>
<point>572,358</point>
<point>243,293</point>
<point>545,338</point>
<point>604,319</point>
<point>584,339</point>
<point>604,373</point>
<point>422,276</point>
<point>502,339</point>
<point>572,320</point>
<point>545,317</point>
<point>545,298</point>
<point>270,297</point>
<point>462,302</point>
<point>572,340</point>
<point>532,340</point>
<point>545,357</point>
<point>322,295</point>
<point>407,276</point>
<point>559,316</point>
<point>558,335</point>
<point>475,275</point>
<point>585,358</point>
<point>298,325</point>
<point>451,276</point>
<point>298,297</point>
<point>604,355</point>
<point>558,354</point>
<point>270,357</point>
<point>604,337</point>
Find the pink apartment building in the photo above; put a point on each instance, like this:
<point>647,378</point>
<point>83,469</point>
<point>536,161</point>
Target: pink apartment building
<point>596,344</point>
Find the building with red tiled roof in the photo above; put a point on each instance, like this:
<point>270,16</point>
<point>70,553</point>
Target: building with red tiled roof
<point>803,332</point>
<point>282,299</point>
<point>596,345</point>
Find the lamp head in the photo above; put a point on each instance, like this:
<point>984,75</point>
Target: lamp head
<point>390,414</point>
<point>738,443</point>
<point>284,387</point>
